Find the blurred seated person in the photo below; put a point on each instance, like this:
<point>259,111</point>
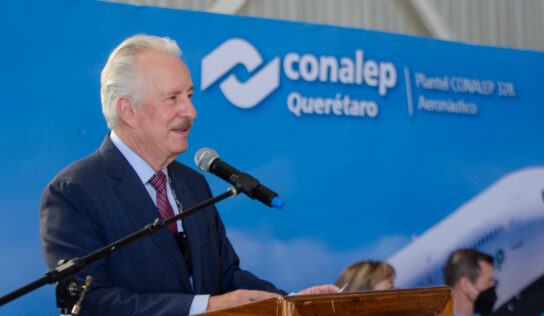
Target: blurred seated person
<point>470,274</point>
<point>367,275</point>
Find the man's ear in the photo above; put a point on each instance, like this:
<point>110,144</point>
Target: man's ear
<point>464,284</point>
<point>125,110</point>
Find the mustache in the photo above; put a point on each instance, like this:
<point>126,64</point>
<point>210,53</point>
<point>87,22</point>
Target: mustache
<point>185,124</point>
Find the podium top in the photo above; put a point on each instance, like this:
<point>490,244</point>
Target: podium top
<point>430,301</point>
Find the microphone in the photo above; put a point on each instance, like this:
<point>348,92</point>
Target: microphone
<point>208,160</point>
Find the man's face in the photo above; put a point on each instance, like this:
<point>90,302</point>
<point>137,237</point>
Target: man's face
<point>484,281</point>
<point>163,121</point>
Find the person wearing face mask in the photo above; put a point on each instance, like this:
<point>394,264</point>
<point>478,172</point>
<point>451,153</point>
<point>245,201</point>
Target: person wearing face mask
<point>470,274</point>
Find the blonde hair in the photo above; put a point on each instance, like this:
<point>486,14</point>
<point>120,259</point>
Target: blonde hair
<point>364,275</point>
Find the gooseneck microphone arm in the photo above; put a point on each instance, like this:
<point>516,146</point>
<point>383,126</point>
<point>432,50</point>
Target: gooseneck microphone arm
<point>65,270</point>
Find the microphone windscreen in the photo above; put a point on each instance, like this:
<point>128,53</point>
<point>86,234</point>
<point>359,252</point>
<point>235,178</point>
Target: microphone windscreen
<point>204,158</point>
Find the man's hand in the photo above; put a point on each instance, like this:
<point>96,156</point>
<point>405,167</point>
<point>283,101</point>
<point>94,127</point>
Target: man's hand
<point>321,289</point>
<point>236,298</point>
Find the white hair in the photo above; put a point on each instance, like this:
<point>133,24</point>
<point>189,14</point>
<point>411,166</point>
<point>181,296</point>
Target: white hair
<point>120,75</point>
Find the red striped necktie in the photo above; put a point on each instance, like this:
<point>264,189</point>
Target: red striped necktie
<point>158,181</point>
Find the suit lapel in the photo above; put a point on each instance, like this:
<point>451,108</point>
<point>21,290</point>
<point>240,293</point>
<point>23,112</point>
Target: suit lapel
<point>135,197</point>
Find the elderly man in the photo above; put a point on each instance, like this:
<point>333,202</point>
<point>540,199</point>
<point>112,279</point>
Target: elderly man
<point>470,274</point>
<point>132,179</point>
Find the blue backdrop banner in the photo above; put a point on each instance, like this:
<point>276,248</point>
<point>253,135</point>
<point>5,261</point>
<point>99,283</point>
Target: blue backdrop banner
<point>383,146</point>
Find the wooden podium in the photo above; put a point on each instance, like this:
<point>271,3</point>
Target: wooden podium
<point>431,301</point>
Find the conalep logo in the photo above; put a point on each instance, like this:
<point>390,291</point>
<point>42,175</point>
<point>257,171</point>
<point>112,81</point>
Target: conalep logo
<point>227,56</point>
<point>307,67</point>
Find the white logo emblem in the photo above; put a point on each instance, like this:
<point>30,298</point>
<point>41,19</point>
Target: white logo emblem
<point>242,94</point>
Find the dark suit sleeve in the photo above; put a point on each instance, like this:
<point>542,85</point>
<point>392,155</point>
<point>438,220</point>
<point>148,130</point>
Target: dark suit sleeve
<point>231,276</point>
<point>69,228</point>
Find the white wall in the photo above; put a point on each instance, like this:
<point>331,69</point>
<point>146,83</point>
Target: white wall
<point>505,23</point>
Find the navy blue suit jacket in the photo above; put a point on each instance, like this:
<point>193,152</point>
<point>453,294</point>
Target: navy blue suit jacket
<point>100,199</point>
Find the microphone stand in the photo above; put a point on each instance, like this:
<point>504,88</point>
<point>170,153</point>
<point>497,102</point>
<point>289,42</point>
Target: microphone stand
<point>63,272</point>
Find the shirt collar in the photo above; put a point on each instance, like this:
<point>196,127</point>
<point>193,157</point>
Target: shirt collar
<point>142,168</point>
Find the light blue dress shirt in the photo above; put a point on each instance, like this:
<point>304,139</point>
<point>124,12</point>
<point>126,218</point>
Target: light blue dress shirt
<point>455,314</point>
